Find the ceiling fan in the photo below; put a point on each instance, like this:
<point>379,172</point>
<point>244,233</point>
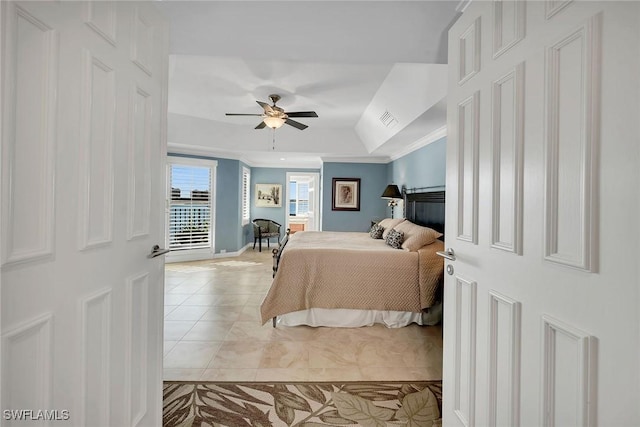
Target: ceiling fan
<point>274,116</point>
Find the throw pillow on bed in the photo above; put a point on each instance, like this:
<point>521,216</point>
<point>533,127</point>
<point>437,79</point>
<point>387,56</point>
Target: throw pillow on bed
<point>389,224</point>
<point>376,231</point>
<point>416,236</point>
<point>395,239</point>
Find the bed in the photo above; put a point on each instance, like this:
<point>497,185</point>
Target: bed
<point>343,279</point>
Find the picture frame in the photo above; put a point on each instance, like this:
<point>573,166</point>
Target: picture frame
<point>345,194</point>
<point>268,196</point>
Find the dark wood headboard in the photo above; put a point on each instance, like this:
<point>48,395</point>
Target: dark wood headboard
<point>425,208</point>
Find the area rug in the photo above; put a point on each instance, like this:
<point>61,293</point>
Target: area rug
<point>415,404</point>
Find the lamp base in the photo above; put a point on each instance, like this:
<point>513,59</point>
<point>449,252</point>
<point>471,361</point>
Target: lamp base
<point>393,205</point>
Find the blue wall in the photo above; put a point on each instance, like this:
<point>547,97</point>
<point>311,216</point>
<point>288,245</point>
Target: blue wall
<point>424,167</point>
<point>373,180</point>
<point>271,176</point>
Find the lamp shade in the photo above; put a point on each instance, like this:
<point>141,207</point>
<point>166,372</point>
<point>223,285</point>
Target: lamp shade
<point>391,192</point>
<point>273,122</point>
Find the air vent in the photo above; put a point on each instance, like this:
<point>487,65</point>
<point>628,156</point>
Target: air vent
<point>388,120</point>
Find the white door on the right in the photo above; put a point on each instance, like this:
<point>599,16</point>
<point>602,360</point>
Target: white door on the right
<point>541,320</point>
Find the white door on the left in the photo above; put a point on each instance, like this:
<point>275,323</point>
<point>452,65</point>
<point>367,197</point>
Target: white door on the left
<point>83,128</point>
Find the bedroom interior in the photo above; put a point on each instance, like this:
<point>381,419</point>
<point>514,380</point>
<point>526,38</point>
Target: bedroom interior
<point>408,148</point>
<point>192,309</point>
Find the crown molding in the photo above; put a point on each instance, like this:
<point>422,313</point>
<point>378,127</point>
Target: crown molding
<point>424,141</point>
<point>199,150</point>
<point>314,162</point>
<point>376,159</point>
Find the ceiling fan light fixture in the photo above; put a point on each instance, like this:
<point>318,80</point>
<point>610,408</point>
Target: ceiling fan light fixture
<point>274,122</point>
<point>275,117</point>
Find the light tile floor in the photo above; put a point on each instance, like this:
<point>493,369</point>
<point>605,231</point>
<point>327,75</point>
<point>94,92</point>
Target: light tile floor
<point>212,331</point>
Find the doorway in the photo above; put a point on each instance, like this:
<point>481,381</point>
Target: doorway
<point>303,200</point>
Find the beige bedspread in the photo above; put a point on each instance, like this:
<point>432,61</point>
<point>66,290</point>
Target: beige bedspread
<point>354,271</point>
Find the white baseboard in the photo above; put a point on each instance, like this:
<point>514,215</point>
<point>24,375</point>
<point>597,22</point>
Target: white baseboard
<point>187,257</point>
<point>232,254</point>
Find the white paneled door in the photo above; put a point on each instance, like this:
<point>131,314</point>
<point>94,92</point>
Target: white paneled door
<point>83,148</point>
<point>541,320</point>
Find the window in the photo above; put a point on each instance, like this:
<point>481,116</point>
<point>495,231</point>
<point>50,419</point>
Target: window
<point>246,195</point>
<point>189,207</point>
<point>299,198</point>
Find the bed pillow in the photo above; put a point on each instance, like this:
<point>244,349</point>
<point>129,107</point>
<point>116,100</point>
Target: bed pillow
<point>388,224</point>
<point>416,236</point>
<point>376,231</point>
<point>395,239</point>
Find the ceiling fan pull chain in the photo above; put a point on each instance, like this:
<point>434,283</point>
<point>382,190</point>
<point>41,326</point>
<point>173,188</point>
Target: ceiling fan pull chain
<point>273,147</point>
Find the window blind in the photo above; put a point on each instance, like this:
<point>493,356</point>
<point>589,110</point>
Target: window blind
<point>299,201</point>
<point>190,208</point>
<point>246,196</point>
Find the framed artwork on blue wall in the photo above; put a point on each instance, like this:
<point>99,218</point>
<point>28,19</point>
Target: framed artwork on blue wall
<point>268,195</point>
<point>345,194</point>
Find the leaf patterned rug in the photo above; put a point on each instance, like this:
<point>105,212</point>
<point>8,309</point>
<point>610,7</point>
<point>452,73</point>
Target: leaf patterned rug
<point>378,404</point>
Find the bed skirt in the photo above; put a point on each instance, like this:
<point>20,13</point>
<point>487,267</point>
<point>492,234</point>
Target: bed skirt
<point>347,318</point>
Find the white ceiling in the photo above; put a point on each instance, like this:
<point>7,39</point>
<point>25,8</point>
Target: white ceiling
<point>350,61</point>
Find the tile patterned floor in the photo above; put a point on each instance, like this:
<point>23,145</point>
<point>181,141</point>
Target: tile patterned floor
<point>213,332</point>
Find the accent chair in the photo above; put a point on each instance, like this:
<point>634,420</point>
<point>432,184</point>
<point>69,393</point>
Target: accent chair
<point>264,229</point>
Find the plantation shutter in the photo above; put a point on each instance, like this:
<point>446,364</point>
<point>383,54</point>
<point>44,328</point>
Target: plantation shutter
<point>303,198</point>
<point>190,208</point>
<point>299,201</point>
<point>246,196</point>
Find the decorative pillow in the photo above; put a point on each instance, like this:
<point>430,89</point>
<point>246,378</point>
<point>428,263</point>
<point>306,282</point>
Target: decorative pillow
<point>395,238</point>
<point>376,231</point>
<point>388,224</point>
<point>416,236</point>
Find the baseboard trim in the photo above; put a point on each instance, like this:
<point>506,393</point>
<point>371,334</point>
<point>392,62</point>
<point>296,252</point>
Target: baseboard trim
<point>232,254</point>
<point>176,257</point>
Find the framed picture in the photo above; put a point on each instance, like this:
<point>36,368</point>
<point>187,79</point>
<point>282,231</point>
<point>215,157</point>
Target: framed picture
<point>346,194</point>
<point>268,195</point>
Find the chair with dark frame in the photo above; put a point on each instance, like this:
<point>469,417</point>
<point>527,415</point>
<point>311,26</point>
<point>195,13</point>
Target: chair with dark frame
<point>264,229</point>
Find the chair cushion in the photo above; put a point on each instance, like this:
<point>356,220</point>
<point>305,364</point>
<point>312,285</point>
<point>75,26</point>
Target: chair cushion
<point>269,234</point>
<point>265,228</point>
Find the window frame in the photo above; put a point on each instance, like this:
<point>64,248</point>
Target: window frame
<point>195,253</point>
<point>245,196</point>
<point>294,196</point>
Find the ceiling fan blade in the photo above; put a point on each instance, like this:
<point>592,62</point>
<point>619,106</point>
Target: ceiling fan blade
<point>261,125</point>
<point>302,114</point>
<point>267,107</point>
<point>296,124</point>
<point>241,114</point>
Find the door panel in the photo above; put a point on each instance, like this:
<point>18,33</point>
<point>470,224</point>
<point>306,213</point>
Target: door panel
<point>572,133</point>
<point>507,138</point>
<point>554,256</point>
<point>30,134</point>
<point>468,115</point>
<point>83,150</point>
<point>504,360</point>
<point>465,350</point>
<point>96,151</point>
